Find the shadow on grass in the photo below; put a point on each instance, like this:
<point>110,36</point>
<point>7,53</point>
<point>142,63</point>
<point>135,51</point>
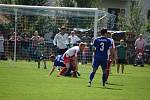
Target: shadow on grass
<point>109,88</point>
<point>115,84</point>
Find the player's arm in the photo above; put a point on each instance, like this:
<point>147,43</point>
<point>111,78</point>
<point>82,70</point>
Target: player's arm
<point>55,40</point>
<point>112,54</point>
<point>126,53</point>
<point>51,71</point>
<point>116,53</point>
<point>94,46</point>
<point>76,61</point>
<point>112,51</point>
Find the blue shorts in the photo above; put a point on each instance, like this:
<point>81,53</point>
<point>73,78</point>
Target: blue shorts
<point>98,62</point>
<point>61,64</point>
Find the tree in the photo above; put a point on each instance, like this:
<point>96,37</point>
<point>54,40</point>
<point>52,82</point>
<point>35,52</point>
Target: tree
<point>135,22</point>
<point>76,21</point>
<point>77,3</point>
<point>24,2</point>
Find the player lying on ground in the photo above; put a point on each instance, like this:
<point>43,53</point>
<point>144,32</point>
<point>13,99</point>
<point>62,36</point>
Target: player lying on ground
<point>70,59</point>
<point>58,62</point>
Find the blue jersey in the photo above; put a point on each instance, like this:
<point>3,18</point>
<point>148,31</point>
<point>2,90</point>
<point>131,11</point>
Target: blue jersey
<point>59,61</point>
<point>102,45</point>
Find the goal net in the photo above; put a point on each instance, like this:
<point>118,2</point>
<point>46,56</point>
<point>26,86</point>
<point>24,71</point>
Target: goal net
<point>22,28</point>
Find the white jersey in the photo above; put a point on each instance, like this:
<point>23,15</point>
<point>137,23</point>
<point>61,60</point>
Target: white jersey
<point>1,44</point>
<point>72,51</point>
<point>60,40</point>
<point>113,46</point>
<point>74,39</point>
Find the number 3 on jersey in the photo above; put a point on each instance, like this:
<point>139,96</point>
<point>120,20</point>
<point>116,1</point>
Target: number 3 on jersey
<point>102,46</point>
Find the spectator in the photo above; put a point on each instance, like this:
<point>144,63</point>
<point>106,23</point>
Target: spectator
<point>87,51</point>
<point>86,38</point>
<point>139,44</point>
<point>121,55</point>
<point>60,41</point>
<point>74,38</point>
<point>12,43</point>
<point>25,46</point>
<point>1,45</point>
<point>35,39</point>
<point>85,55</point>
<point>49,41</point>
<point>41,52</point>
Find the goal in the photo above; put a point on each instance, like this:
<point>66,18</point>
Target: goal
<point>19,23</point>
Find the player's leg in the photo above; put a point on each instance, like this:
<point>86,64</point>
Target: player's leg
<point>39,63</point>
<point>62,71</point>
<point>122,65</point>
<point>108,69</point>
<point>68,70</point>
<point>104,67</point>
<point>118,65</point>
<point>44,64</point>
<point>92,74</point>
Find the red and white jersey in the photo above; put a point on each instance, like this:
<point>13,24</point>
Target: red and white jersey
<point>113,46</point>
<point>72,52</point>
<point>112,42</point>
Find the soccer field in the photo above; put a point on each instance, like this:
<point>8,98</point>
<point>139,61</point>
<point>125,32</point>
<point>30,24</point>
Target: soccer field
<point>23,81</point>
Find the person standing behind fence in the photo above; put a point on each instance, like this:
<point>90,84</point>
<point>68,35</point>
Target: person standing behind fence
<point>41,52</point>
<point>74,38</point>
<point>139,44</point>
<point>60,41</point>
<point>49,41</point>
<point>121,55</point>
<point>35,39</point>
<point>1,45</point>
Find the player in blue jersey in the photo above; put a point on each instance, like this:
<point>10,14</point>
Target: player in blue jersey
<point>102,45</point>
<point>58,62</point>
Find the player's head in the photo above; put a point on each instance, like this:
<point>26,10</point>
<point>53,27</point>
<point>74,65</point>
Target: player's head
<point>52,58</point>
<point>36,33</point>
<point>103,32</point>
<point>140,36</point>
<point>63,29</point>
<point>121,41</point>
<point>109,34</point>
<point>82,46</point>
<point>72,33</point>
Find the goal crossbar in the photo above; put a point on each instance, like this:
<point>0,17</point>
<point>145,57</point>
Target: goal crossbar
<point>49,8</point>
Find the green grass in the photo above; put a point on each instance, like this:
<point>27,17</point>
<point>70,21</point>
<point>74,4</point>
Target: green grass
<point>23,81</point>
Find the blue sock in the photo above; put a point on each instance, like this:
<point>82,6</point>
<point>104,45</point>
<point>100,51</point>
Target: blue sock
<point>92,76</point>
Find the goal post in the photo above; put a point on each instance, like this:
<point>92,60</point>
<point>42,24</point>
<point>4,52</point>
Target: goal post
<point>23,20</point>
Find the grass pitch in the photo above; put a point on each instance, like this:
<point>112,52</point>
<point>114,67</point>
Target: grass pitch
<point>23,81</point>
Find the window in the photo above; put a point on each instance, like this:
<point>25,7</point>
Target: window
<point>116,12</point>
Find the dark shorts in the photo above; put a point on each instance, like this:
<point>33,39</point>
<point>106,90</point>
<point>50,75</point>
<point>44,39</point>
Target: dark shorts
<point>121,61</point>
<point>98,62</point>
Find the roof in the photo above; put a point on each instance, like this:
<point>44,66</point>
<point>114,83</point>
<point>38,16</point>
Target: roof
<point>4,19</point>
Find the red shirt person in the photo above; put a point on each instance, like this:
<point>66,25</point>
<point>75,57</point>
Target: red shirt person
<point>139,44</point>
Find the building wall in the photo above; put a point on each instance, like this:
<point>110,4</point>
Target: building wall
<point>146,7</point>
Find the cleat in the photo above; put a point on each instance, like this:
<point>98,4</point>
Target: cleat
<point>78,73</point>
<point>89,84</point>
<point>103,84</point>
<point>106,82</point>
